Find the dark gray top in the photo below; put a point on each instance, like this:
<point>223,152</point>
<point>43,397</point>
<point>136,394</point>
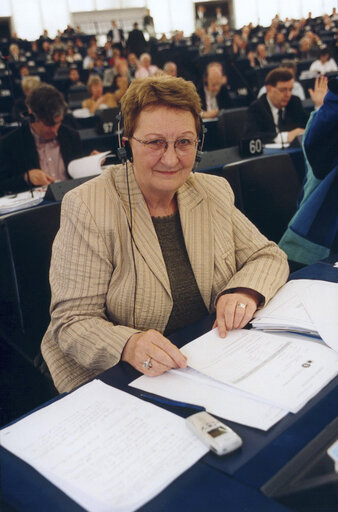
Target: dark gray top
<point>188,304</point>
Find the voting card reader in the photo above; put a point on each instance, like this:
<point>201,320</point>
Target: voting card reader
<point>220,438</point>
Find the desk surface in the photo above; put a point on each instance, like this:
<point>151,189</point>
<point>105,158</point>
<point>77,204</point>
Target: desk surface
<point>231,483</point>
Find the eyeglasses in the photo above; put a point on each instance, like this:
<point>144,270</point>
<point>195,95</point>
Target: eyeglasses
<point>283,90</point>
<point>183,145</point>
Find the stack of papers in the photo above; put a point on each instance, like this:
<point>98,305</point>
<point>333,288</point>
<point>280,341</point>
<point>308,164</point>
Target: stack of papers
<point>251,377</point>
<point>87,165</point>
<point>303,306</point>
<point>15,202</point>
<point>193,387</point>
<point>106,449</point>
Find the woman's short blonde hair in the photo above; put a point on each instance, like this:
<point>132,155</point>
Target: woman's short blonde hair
<point>29,83</point>
<point>156,91</point>
<point>93,79</point>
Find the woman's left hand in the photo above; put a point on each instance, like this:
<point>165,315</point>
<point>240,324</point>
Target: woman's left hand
<point>235,310</point>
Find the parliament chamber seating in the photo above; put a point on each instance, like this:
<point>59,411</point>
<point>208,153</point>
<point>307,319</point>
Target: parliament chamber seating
<point>266,190</point>
<point>25,249</point>
<point>230,126</point>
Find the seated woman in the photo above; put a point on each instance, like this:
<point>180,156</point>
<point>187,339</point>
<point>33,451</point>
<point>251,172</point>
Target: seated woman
<point>149,247</point>
<point>98,100</point>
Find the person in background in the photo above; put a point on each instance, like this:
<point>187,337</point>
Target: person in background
<point>277,116</point>
<point>170,68</point>
<point>46,52</point>
<point>20,108</point>
<point>214,93</point>
<point>146,68</point>
<point>14,53</point>
<point>306,50</point>
<point>73,55</point>
<point>148,24</point>
<point>136,42</point>
<point>38,153</point>
<point>152,247</point>
<point>261,55</point>
<point>99,67</point>
<point>297,87</point>
<point>119,66</point>
<point>79,47</point>
<point>312,233</point>
<point>133,64</point>
<point>221,20</point>
<point>99,100</point>
<point>73,79</point>
<point>280,46</point>
<point>89,60</point>
<point>23,71</point>
<point>62,62</point>
<point>34,50</point>
<point>116,36</point>
<point>325,63</point>
<point>201,19</point>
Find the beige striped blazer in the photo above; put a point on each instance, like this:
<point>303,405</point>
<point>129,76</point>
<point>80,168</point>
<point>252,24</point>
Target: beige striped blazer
<point>92,274</point>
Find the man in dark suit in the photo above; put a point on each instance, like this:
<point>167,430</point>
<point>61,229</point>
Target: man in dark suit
<point>136,42</point>
<point>277,116</point>
<point>38,153</point>
<point>116,36</point>
<point>214,93</point>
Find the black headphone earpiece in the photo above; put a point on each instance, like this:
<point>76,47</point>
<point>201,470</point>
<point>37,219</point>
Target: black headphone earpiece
<point>27,117</point>
<point>124,151</point>
<point>201,137</point>
<point>128,150</point>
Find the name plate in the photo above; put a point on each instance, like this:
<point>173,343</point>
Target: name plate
<point>251,147</point>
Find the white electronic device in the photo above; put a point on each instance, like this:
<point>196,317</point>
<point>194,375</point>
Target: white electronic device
<point>220,438</point>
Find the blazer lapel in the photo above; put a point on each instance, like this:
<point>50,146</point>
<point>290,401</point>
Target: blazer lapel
<point>267,112</point>
<point>143,230</point>
<point>198,234</point>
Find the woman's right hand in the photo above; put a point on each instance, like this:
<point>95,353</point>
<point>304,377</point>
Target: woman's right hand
<point>152,345</point>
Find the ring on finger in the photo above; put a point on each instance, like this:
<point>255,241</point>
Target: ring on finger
<point>147,363</point>
<point>241,305</point>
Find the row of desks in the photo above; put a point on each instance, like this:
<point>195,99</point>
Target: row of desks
<point>231,483</point>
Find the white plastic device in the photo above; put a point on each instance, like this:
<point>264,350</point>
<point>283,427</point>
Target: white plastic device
<point>218,436</point>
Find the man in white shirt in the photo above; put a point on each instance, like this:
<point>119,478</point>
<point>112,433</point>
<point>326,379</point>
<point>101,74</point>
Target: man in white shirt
<point>278,116</point>
<point>297,88</point>
<point>146,68</point>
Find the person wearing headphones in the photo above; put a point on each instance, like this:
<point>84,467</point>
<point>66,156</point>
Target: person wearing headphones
<point>149,247</point>
<point>39,151</point>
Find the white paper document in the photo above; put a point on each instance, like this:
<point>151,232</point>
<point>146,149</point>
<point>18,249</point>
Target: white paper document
<point>285,371</point>
<point>108,450</point>
<point>320,300</point>
<point>304,306</point>
<point>16,202</point>
<point>193,387</point>
<point>87,165</point>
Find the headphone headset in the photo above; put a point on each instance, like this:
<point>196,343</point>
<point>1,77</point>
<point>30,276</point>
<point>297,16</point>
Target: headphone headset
<point>27,116</point>
<point>124,151</point>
